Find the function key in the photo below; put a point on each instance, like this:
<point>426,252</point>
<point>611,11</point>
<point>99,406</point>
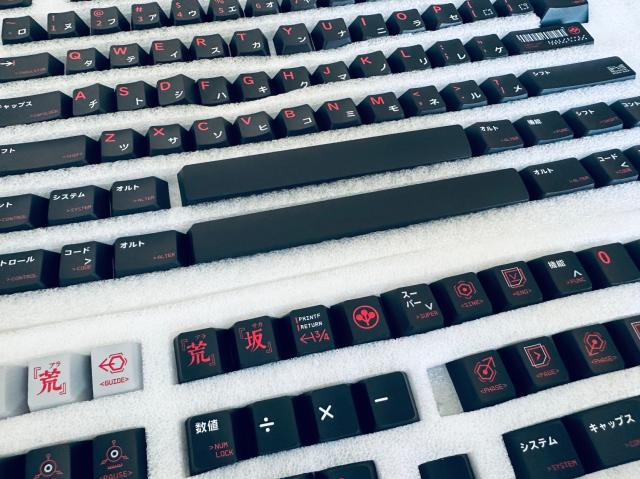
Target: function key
<point>462,298</point>
<point>28,271</point>
<point>560,275</point>
<point>409,59</point>
<point>481,380</point>
<point>413,310</point>
<point>448,53</point>
<point>39,65</point>
<point>122,145</point>
<point>360,321</point>
<point>65,25</point>
<point>368,27</point>
<point>208,47</point>
<point>275,426</point>
<point>477,10</point>
<point>609,265</point>
<point>298,5</point>
<point>628,110</point>
<point>139,196</point>
<point>463,95</point>
<point>186,12</point>
<point>202,354</point>
<point>486,47</point>
<point>254,128</point>
<point>593,120</point>
<point>292,39</point>
<point>544,128</point>
<point>127,56</point>
<point>334,414</point>
<point>108,20</point>
<point>330,34</point>
<point>78,204</point>
<point>588,351</point>
<point>86,60</point>
<point>626,334</point>
<point>168,139</point>
<point>543,451</point>
<point>504,88</point>
<point>309,331</point>
<point>422,101</point>
<point>120,454</point>
<point>85,262</point>
<point>259,8</point>
<point>507,8</point>
<point>145,16</point>
<point>148,253</point>
<point>557,12</point>
<point>452,466</point>
<point>332,72</point>
<point>511,286</point>
<point>21,30</point>
<point>385,402</point>
<point>610,167</point>
<point>116,369</point>
<point>487,138</point>
<point>358,470</point>
<point>338,114</point>
<point>556,178</point>
<point>63,460</point>
<point>34,109</point>
<point>13,395</point>
<point>405,21</point>
<point>222,10</point>
<point>256,342</point>
<point>249,43</point>
<point>441,16</point>
<point>535,365</point>
<point>22,212</point>
<point>607,436</point>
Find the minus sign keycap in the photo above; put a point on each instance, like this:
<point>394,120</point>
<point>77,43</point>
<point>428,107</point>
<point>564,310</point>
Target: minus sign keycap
<point>28,67</point>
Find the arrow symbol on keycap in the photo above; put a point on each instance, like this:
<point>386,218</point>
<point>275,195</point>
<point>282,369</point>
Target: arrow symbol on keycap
<point>8,63</point>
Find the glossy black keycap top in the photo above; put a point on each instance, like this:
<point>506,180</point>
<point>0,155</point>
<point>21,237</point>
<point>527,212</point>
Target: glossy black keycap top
<point>21,30</point>
<point>448,53</point>
<point>85,60</point>
<point>593,120</point>
<point>122,453</point>
<point>22,212</point>
<point>120,145</point>
<point>256,342</point>
<point>360,321</point>
<point>139,196</point>
<point>486,47</point>
<point>329,34</point>
<point>4,4</point>
<point>293,39</point>
<point>74,205</point>
<point>65,25</point>
<point>628,110</point>
<point>441,16</point>
<point>610,167</point>
<point>334,415</point>
<point>463,95</point>
<point>145,16</point>
<point>309,331</point>
<point>609,265</point>
<point>27,67</point>
<point>275,425</point>
<point>504,88</point>
<point>422,101</point>
<point>462,298</point>
<point>85,262</point>
<point>405,21</point>
<point>557,178</point>
<point>556,12</point>
<point>34,109</point>
<point>108,20</point>
<point>28,271</point>
<point>560,275</point>
<point>385,402</point>
<point>151,252</point>
<point>511,286</point>
<point>249,43</point>
<point>543,128</point>
<point>212,133</point>
<point>359,470</point>
<point>202,354</point>
<point>626,334</point>
<point>412,310</point>
<point>546,38</point>
<point>452,466</point>
<point>72,461</point>
<point>493,137</point>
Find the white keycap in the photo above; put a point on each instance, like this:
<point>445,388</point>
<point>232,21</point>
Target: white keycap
<point>116,369</point>
<point>13,391</point>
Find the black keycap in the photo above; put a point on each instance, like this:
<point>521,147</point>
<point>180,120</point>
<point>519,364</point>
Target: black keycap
<point>412,310</point>
<point>368,27</point>
<point>493,137</point>
<point>508,8</point>
<point>86,60</point>
<point>151,252</point>
<point>168,51</point>
<point>14,466</point>
<point>108,20</point>
<point>296,121</point>
<point>332,72</point>
<point>71,460</point>
<point>556,178</point>
<point>609,265</point>
<point>481,380</point>
<point>385,402</point>
<point>422,101</point>
<point>557,12</point>
<point>547,38</point>
<point>4,4</point>
<point>145,16</point>
<point>216,440</point>
<point>610,167</point>
<point>297,5</point>
<point>462,298</point>
<point>545,81</point>
<point>628,110</point>
<point>256,342</point>
<point>275,425</point>
<point>633,154</point>
<point>74,205</point>
<point>452,466</point>
<point>588,351</point>
<point>222,10</point>
<point>214,91</point>
<point>28,271</point>
<point>338,114</point>
<point>441,16</point>
<point>626,334</point>
<point>34,108</point>
<point>511,286</point>
<point>258,8</point>
<point>212,133</point>
<point>463,95</point>
<point>122,145</point>
<point>48,155</point>
<point>593,120</point>
<point>477,10</point>
<point>333,415</point>
<point>93,100</point>
<point>177,90</point>
<point>291,79</point>
<point>207,47</point>
<point>186,12</point>
<point>127,56</point>
<point>308,331</point>
<point>370,65</point>
<point>358,470</point>
<point>139,196</point>
<point>202,354</point>
<point>535,365</point>
<point>348,217</point>
<point>360,321</point>
<point>65,25</point>
<point>85,262</point>
<point>22,212</point>
<point>405,21</point>
<point>504,88</point>
<point>252,86</point>
<point>543,128</point>
<point>330,34</point>
<point>381,108</point>
<point>543,451</point>
<point>121,453</point>
<point>634,250</point>
<point>560,275</point>
<point>486,47</point>
<point>168,139</point>
<point>408,59</point>
<point>448,53</point>
<point>216,180</point>
<point>254,128</point>
<point>335,3</point>
<point>292,39</point>
<point>249,43</point>
<point>21,30</point>
<point>606,436</point>
<point>135,96</point>
<point>39,65</point>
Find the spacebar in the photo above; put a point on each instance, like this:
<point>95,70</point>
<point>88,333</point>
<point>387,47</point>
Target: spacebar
<point>354,215</point>
<point>317,164</point>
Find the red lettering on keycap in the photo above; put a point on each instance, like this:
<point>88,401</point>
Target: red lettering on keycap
<point>287,30</point>
<point>74,55</point>
<point>123,91</point>
<point>365,60</point>
<point>158,131</point>
<point>326,26</point>
<point>604,257</point>
<point>248,80</point>
<point>246,120</point>
<point>201,42</point>
<point>204,84</point>
<point>333,106</point>
<point>110,138</point>
<point>241,35</point>
<point>401,16</point>
<point>377,100</point>
<point>289,113</point>
<point>164,85</point>
<point>119,50</point>
<point>288,75</point>
<point>202,125</point>
<point>80,96</point>
<point>404,54</point>
<point>158,46</point>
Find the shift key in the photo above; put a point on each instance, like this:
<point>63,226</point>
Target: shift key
<point>34,108</point>
<point>148,253</point>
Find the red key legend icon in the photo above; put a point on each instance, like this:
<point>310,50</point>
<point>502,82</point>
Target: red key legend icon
<point>485,370</point>
<point>366,317</point>
<point>464,289</point>
<point>594,343</point>
<point>538,355</point>
<point>514,277</point>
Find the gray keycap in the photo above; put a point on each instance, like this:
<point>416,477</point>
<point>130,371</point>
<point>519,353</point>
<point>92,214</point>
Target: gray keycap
<point>59,379</point>
<point>116,369</point>
<point>13,391</point>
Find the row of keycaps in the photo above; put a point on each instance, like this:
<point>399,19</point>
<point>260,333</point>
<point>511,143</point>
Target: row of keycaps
<point>375,404</point>
<point>114,455</point>
<point>493,377</point>
<point>67,378</point>
<point>181,90</point>
<point>405,311</point>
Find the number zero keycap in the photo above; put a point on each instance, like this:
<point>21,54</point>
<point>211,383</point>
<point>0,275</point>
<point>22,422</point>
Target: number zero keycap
<point>359,470</point>
<point>609,265</point>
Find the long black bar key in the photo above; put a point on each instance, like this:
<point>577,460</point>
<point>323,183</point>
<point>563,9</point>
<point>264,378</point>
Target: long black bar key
<point>34,108</point>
